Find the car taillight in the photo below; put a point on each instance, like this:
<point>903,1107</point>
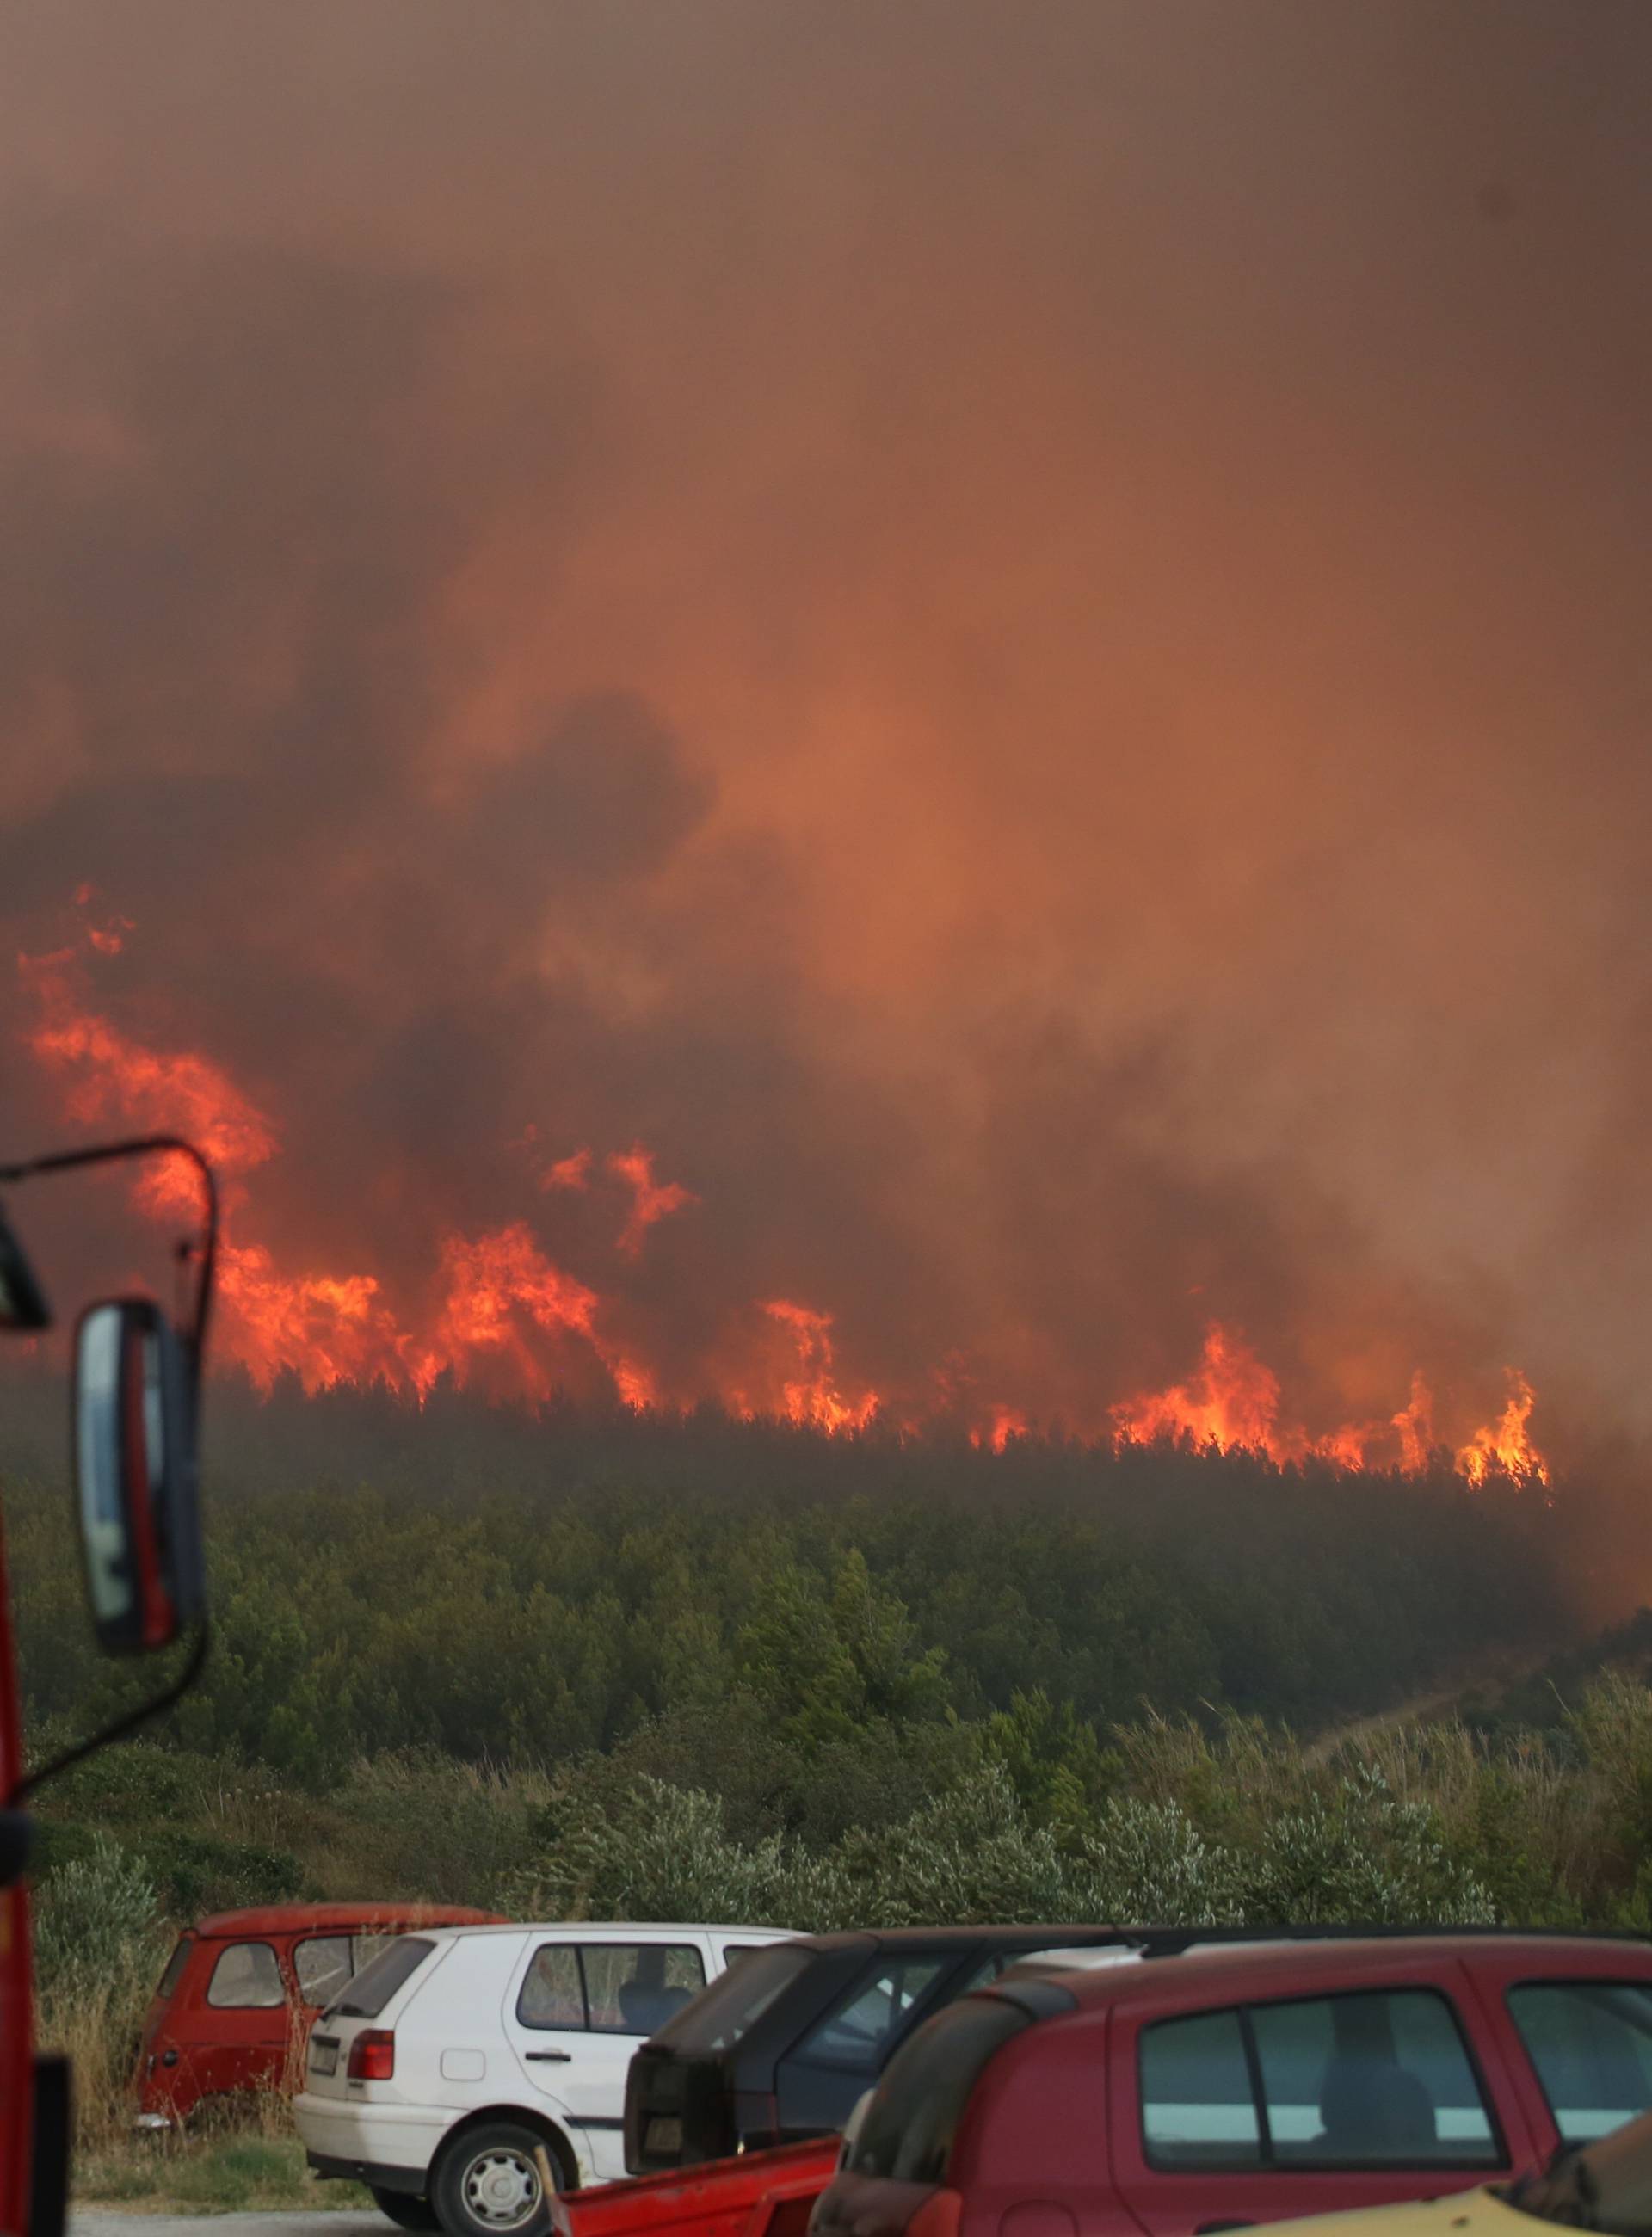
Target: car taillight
<point>373,2056</point>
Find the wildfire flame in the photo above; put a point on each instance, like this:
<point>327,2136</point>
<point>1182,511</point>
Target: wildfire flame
<point>496,1300</point>
<point>811,1397</point>
<point>1231,1404</point>
<point>1506,1444</point>
<point>1003,1424</point>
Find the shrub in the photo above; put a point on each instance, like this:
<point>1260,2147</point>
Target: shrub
<point>99,1944</point>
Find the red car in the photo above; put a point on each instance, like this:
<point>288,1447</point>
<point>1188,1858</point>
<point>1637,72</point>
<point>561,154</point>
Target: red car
<point>1178,2094</point>
<point>242,1989</point>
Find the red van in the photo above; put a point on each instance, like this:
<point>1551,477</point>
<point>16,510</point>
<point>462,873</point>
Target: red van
<point>242,1988</point>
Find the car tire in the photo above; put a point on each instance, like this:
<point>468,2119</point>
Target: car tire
<point>487,2182</point>
<point>405,2210</point>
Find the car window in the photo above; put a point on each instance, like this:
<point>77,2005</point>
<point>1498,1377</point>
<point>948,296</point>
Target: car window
<point>1197,2106</point>
<point>365,1947</point>
<point>175,1964</point>
<point>1592,2044</point>
<point>866,2023</point>
<point>734,2003</point>
<point>634,1988</point>
<point>908,2130</point>
<point>552,1995</point>
<point>246,1978</point>
<point>1370,2079</point>
<point>323,1966</point>
<point>375,1984</point>
<point>995,1966</point>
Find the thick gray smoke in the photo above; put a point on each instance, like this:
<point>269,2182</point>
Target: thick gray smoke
<point>1014,634</point>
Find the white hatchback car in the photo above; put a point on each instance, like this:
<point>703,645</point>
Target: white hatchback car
<point>460,2050</point>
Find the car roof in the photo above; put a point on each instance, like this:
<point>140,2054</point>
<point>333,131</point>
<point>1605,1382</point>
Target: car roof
<point>621,1926</point>
<point>1287,1961</point>
<point>963,1937</point>
<point>336,1919</point>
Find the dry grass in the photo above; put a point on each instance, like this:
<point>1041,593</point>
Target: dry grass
<point>233,2173</point>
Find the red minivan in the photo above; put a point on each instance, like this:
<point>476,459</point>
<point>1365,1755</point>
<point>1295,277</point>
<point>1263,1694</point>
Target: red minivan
<point>1181,2093</point>
<point>242,1989</point>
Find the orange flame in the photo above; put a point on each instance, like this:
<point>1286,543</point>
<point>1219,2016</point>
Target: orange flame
<point>1232,1402</point>
<point>496,1300</point>
<point>811,1398</point>
<point>1415,1425</point>
<point>1506,1444</point>
<point>651,1200</point>
<point>1003,1424</point>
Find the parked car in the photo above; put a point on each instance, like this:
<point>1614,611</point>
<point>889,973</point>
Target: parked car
<point>1605,2186</point>
<point>456,2054</point>
<point>1222,2087</point>
<point>241,1987</point>
<point>782,2049</point>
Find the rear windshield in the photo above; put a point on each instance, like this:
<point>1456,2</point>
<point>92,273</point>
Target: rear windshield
<point>175,1964</point>
<point>732,2005</point>
<point>375,1984</point>
<point>908,2126</point>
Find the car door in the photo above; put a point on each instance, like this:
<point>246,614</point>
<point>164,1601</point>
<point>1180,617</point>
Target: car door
<point>576,2011</point>
<point>238,2033</point>
<point>1315,2103</point>
<point>1580,2040</point>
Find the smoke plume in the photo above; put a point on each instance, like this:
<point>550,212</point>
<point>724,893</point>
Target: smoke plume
<point>983,667</point>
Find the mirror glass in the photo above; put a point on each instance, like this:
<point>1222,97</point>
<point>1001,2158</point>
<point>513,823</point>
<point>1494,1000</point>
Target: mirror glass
<point>123,1359</point>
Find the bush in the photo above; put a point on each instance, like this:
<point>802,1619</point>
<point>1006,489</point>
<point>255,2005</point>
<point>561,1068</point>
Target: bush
<point>1358,1856</point>
<point>99,1945</point>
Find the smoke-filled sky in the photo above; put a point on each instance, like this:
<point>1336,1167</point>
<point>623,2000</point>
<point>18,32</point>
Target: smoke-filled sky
<point>1014,636</point>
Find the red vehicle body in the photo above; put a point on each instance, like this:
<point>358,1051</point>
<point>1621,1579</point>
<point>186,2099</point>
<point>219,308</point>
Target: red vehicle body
<point>1178,2095</point>
<point>768,2193</point>
<point>17,1994</point>
<point>242,1989</point>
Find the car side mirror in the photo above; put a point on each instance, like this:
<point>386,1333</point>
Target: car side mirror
<point>134,1475</point>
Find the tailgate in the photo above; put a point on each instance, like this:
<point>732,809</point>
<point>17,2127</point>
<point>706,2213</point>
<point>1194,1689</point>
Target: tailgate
<point>372,2000</point>
<point>715,2200</point>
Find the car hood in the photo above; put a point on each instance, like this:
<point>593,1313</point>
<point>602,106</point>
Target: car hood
<point>1464,2214</point>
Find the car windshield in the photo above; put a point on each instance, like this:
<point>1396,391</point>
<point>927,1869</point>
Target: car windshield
<point>1605,2186</point>
<point>719,2015</point>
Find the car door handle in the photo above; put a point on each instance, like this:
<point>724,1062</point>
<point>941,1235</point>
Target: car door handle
<point>1214,2228</point>
<point>550,2057</point>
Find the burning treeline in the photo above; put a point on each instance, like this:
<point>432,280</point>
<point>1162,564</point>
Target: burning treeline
<point>498,1310</point>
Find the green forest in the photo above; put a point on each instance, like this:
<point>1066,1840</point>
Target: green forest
<point>595,1662</point>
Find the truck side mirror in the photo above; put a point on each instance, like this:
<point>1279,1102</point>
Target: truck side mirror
<point>134,1475</point>
<point>22,1302</point>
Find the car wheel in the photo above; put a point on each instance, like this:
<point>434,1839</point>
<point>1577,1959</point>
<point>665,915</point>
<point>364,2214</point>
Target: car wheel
<point>487,2184</point>
<point>405,2210</point>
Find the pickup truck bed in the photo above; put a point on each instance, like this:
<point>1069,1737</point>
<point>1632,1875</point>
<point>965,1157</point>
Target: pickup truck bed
<point>767,2193</point>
